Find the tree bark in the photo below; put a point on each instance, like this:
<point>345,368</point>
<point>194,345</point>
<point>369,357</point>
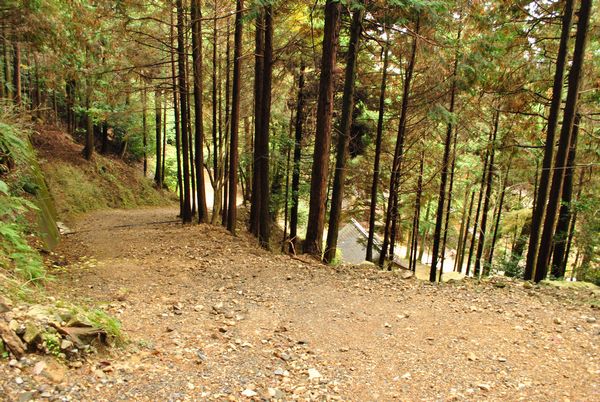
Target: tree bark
<point>344,135</point>
<point>104,147</point>
<point>216,208</point>
<point>264,227</point>
<point>564,143</point>
<point>259,50</point>
<point>465,234</point>
<point>564,214</point>
<point>88,150</point>
<point>486,203</point>
<point>186,215</point>
<point>17,72</point>
<point>235,119</point>
<point>541,195</point>
<point>425,231</point>
<point>190,131</point>
<point>144,130</point>
<point>297,156</point>
<point>164,143</point>
<point>412,258</point>
<point>287,184</point>
<point>320,168</point>
<point>70,105</point>
<point>227,124</point>
<point>376,162</point>
<point>176,120</point>
<point>6,54</point>
<point>196,11</point>
<point>158,125</point>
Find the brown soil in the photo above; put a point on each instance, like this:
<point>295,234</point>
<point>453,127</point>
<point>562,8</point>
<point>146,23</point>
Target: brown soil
<point>211,317</point>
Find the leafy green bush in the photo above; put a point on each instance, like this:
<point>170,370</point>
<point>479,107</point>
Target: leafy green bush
<point>511,268</point>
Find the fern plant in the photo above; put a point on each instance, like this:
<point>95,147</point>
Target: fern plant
<point>17,257</point>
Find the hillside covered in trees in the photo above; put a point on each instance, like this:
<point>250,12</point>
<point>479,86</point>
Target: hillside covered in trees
<point>425,152</point>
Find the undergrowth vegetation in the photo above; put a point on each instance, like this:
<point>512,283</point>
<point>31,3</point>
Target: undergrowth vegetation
<point>20,262</point>
<point>101,183</point>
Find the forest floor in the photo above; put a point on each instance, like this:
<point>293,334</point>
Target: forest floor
<point>209,316</point>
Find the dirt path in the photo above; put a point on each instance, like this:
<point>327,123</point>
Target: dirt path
<point>211,317</point>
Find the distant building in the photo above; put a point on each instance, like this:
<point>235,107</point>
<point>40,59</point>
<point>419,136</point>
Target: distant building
<point>352,243</point>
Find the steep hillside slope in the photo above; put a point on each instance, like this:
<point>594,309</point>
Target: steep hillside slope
<point>79,186</point>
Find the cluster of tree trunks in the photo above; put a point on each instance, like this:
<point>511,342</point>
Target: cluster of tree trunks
<point>548,232</point>
<point>537,265</point>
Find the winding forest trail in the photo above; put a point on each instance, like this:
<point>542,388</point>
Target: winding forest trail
<point>211,317</point>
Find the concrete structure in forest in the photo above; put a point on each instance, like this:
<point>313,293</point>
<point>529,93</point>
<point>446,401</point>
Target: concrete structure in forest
<point>352,243</point>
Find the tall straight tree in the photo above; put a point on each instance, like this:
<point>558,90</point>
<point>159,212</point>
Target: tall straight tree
<point>425,231</point>
<point>465,233</point>
<point>164,142</point>
<point>297,156</point>
<point>439,218</point>
<point>158,179</point>
<point>227,122</point>
<point>412,259</point>
<point>145,128</point>
<point>216,209</point>
<point>564,213</point>
<point>344,135</point>
<point>392,207</point>
<point>376,161</point>
<point>262,146</point>
<point>541,197</point>
<point>448,206</point>
<point>486,201</point>
<point>320,168</point>
<point>259,50</point>
<point>176,120</point>
<point>235,118</point>
<point>6,61</point>
<point>186,215</point>
<point>564,142</point>
<point>17,71</point>
<point>88,150</point>
<point>198,113</point>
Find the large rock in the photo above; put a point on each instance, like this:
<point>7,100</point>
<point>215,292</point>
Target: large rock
<point>33,333</point>
<point>49,314</point>
<point>11,341</point>
<point>405,274</point>
<point>50,369</point>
